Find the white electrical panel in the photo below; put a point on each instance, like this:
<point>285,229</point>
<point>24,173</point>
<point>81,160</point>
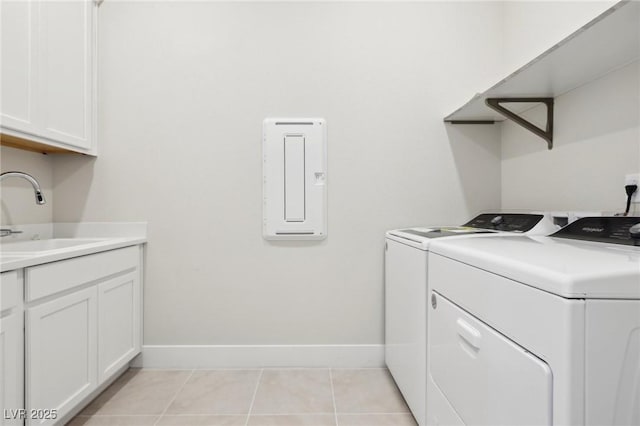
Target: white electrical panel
<point>294,181</point>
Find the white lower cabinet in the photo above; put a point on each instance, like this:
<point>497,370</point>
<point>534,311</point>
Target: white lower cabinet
<point>61,354</point>
<point>119,323</point>
<point>11,350</point>
<point>83,325</point>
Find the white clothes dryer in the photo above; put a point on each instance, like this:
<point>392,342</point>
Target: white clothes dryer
<point>537,330</point>
<point>406,259</point>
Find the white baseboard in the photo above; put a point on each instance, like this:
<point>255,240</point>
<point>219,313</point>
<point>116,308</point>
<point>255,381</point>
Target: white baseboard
<point>260,356</point>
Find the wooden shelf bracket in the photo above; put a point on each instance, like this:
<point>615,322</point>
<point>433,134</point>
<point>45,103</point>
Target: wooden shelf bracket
<point>546,134</point>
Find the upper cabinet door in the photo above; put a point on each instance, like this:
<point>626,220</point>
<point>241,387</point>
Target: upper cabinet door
<point>49,74</point>
<point>65,67</point>
<point>17,76</point>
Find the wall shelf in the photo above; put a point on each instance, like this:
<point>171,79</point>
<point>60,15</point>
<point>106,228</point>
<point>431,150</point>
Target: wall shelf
<point>608,42</point>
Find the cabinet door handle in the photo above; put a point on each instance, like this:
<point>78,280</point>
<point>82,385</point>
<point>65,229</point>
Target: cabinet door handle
<point>468,333</point>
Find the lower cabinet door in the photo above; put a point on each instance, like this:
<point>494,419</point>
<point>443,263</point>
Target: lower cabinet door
<point>61,348</point>
<point>119,323</point>
<point>11,372</point>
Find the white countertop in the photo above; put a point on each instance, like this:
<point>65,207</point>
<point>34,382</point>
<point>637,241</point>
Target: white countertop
<point>99,237</point>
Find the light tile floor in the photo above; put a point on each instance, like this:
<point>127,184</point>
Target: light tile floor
<point>261,397</point>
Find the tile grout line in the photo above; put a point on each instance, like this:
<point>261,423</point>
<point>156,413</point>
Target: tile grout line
<point>294,413</point>
<point>253,399</point>
<point>333,398</point>
<point>174,397</point>
<point>113,415</point>
<point>378,413</point>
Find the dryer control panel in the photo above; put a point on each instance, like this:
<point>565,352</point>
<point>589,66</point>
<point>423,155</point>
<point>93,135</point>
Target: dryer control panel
<point>613,230</point>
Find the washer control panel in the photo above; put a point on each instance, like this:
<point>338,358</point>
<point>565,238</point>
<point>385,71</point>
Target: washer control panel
<point>511,222</point>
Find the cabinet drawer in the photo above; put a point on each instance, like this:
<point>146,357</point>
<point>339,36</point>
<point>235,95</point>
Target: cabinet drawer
<point>51,278</point>
<point>9,289</point>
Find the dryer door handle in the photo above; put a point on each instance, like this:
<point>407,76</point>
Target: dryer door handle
<point>468,333</point>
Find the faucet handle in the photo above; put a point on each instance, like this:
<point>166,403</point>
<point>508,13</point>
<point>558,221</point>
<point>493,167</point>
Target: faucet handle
<point>5,232</point>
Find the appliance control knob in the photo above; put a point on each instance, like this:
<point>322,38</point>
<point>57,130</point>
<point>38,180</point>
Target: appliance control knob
<point>498,220</point>
<point>634,232</point>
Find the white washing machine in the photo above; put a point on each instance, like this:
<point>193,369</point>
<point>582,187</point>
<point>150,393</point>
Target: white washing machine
<point>406,258</point>
<point>537,330</point>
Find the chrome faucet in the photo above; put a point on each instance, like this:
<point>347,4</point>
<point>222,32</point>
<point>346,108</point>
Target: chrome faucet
<point>36,186</point>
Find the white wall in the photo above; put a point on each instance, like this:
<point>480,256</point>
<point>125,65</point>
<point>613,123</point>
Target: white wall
<point>17,199</point>
<point>184,88</point>
<point>532,27</point>
<point>596,142</point>
<point>597,126</point>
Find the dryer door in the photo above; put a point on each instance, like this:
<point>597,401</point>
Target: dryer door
<point>487,378</point>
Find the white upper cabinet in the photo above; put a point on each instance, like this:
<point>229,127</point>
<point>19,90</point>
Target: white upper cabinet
<point>48,100</point>
<point>16,19</point>
<point>66,71</point>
